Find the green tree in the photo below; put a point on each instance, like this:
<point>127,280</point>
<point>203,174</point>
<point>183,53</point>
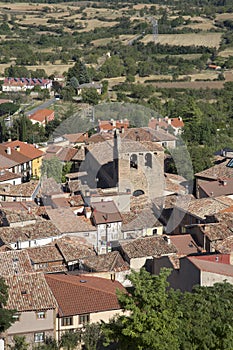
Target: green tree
<point>8,108</point>
<point>113,67</point>
<point>90,95</point>
<point>207,318</point>
<point>74,83</point>
<point>79,71</point>
<point>91,336</point>
<point>153,319</point>
<point>65,170</point>
<point>6,315</point>
<point>69,340</point>
<point>52,168</point>
<point>19,343</point>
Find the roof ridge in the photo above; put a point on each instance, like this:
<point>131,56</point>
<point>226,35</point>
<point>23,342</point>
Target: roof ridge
<point>82,284</point>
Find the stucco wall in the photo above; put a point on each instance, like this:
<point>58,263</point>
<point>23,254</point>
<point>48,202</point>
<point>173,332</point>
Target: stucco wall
<point>209,278</point>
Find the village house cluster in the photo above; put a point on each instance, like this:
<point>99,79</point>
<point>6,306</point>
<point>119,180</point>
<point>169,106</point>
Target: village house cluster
<point>66,248</point>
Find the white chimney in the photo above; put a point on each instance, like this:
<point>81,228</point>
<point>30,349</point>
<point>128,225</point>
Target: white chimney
<point>8,150</point>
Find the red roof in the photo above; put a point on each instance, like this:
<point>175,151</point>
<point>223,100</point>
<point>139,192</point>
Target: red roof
<point>220,258</point>
<point>185,244</point>
<point>78,295</point>
<point>212,267</point>
<point>110,124</point>
<point>26,149</point>
<point>177,123</point>
<point>106,212</point>
<point>41,115</point>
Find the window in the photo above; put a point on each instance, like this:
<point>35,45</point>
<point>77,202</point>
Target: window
<point>148,160</point>
<point>134,161</point>
<point>41,314</point>
<point>230,164</point>
<point>16,317</point>
<point>84,319</point>
<point>39,337</point>
<point>67,321</point>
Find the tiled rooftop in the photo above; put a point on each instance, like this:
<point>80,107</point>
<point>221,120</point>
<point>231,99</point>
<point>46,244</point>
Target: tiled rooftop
<point>147,134</point>
<point>72,249</point>
<point>217,171</point>
<point>12,159</point>
<point>148,246</point>
<point>29,292</point>
<point>213,267</point>
<point>106,212</point>
<point>14,262</point>
<point>50,187</point>
<point>46,253</point>
<point>185,244</point>
<point>41,114</point>
<point>26,189</point>
<point>7,217</point>
<point>225,246</point>
<point>42,229</point>
<point>94,294</point>
<point>24,148</point>
<point>218,187</point>
<point>206,206</point>
<point>6,175</point>
<point>67,222</point>
<point>141,220</point>
<point>112,261</point>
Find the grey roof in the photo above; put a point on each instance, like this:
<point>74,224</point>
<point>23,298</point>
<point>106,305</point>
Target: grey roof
<point>148,246</point>
<point>137,221</point>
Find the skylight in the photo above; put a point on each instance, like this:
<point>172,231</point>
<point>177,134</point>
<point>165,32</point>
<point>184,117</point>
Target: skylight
<point>230,164</point>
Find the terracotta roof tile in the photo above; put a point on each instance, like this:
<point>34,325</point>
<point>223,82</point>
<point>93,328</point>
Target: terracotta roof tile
<point>112,261</point>
<point>26,189</point>
<point>67,222</point>
<point>46,253</point>
<point>185,244</point>
<point>41,115</point>
<point>217,171</point>
<point>29,292</point>
<point>106,212</point>
<point>73,249</point>
<point>94,294</point>
<point>147,134</point>
<point>213,267</point>
<point>42,229</point>
<point>147,246</point>
<point>26,149</point>
<point>13,158</point>
<point>14,262</point>
<point>140,220</point>
<point>8,175</point>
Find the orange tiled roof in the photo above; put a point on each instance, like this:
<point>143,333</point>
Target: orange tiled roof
<point>41,115</point>
<point>177,123</point>
<point>26,149</point>
<point>94,294</point>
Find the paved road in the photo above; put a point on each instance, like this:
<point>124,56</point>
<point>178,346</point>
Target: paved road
<point>42,106</point>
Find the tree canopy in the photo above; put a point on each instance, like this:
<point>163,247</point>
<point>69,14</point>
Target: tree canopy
<point>157,317</point>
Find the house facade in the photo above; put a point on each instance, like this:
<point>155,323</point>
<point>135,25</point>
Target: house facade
<point>36,307</point>
<point>96,301</point>
<point>31,152</point>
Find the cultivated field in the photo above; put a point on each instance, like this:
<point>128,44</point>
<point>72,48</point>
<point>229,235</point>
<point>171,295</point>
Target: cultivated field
<point>226,53</point>
<point>197,39</point>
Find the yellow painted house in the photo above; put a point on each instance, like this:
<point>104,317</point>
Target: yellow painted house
<point>30,151</point>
